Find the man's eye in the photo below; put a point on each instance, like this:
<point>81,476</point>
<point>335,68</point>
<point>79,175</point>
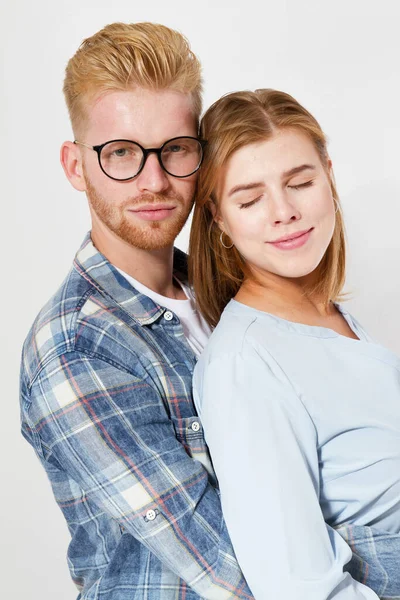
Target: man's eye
<point>118,152</point>
<point>175,149</point>
<point>121,152</point>
<point>299,186</point>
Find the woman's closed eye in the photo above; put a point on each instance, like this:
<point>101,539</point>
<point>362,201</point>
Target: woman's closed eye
<point>248,204</point>
<point>300,186</point>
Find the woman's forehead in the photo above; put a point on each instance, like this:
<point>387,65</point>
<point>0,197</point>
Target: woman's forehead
<point>285,150</point>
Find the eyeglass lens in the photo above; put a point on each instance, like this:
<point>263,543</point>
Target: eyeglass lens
<point>123,160</point>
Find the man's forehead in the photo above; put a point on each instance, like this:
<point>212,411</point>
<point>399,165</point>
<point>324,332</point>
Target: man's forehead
<point>141,114</point>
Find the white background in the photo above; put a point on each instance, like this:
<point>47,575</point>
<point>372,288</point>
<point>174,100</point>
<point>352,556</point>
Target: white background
<point>339,58</point>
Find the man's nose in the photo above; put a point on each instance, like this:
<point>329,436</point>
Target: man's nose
<point>152,178</point>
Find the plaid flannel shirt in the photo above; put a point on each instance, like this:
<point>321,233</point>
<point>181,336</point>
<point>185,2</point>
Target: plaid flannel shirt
<point>106,403</point>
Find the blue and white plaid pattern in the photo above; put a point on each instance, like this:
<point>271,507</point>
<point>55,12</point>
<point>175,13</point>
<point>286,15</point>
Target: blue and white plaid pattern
<point>376,559</point>
<point>106,403</point>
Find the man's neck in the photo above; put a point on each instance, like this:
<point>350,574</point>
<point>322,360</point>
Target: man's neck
<point>152,268</point>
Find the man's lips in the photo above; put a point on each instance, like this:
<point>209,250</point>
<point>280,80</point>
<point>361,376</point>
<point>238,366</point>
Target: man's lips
<point>153,212</point>
<point>293,240</point>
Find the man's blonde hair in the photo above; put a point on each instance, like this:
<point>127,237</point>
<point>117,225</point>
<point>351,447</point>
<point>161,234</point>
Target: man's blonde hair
<point>122,56</point>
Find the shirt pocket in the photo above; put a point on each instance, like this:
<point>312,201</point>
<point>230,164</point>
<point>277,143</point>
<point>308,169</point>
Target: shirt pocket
<point>189,432</point>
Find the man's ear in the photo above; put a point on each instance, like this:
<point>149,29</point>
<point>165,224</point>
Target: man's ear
<point>71,161</point>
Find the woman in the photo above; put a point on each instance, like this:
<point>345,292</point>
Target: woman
<point>300,408</point>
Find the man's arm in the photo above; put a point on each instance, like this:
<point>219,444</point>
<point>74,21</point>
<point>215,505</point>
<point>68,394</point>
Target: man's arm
<point>111,433</point>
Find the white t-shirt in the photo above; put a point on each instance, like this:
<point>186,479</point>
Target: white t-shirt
<point>195,328</point>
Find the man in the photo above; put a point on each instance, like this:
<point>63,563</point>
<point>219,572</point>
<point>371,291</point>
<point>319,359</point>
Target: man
<point>106,373</point>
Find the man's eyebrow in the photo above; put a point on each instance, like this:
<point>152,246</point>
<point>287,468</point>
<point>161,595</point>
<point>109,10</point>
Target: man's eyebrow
<point>245,186</point>
<point>297,170</point>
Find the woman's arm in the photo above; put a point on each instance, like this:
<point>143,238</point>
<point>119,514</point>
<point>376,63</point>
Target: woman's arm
<point>264,448</point>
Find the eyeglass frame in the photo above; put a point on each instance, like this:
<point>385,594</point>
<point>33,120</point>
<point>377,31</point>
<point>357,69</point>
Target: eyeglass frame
<point>146,151</point>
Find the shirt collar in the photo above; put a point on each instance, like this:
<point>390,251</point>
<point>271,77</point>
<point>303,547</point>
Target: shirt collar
<point>100,273</point>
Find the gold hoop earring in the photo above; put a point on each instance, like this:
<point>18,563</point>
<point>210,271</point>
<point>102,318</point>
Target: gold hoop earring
<point>222,242</point>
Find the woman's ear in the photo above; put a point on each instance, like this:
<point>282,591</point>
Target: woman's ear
<point>330,166</point>
<point>216,214</point>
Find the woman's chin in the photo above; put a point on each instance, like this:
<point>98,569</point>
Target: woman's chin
<point>298,271</point>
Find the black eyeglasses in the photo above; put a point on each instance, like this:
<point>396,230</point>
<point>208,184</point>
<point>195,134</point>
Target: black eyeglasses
<point>124,159</point>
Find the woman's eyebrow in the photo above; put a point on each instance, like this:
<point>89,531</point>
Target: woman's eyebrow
<point>297,170</point>
<point>245,186</point>
<point>256,184</point>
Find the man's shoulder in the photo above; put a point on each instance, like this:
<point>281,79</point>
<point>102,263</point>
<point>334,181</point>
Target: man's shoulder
<point>78,318</point>
<point>53,331</point>
<point>95,313</point>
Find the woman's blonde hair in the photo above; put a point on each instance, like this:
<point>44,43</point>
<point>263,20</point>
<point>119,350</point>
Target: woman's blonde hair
<point>122,56</point>
<point>232,122</point>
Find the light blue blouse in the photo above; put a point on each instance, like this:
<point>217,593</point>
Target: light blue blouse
<point>303,427</point>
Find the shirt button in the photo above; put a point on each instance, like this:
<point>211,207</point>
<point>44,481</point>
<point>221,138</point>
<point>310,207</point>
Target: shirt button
<point>168,316</point>
<point>195,426</point>
<point>150,515</point>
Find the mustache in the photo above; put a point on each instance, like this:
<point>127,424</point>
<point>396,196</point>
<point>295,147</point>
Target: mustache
<point>152,199</point>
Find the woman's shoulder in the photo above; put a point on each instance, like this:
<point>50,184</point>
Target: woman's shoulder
<point>240,331</point>
<point>243,352</point>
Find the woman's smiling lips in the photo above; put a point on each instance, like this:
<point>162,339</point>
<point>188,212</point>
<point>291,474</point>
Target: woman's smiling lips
<point>293,240</point>
<point>153,212</point>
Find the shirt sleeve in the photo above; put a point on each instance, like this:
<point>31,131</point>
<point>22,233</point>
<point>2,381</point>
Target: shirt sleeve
<point>263,446</point>
<point>110,432</point>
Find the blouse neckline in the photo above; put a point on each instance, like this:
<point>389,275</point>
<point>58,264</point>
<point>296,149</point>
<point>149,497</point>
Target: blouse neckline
<point>301,328</point>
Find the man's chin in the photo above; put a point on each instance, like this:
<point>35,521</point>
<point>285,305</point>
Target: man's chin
<point>155,237</point>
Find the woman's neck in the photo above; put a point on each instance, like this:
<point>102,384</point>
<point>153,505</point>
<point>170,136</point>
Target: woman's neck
<point>293,300</point>
<point>286,298</point>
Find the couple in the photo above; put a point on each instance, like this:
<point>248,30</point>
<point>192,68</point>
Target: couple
<point>300,408</point>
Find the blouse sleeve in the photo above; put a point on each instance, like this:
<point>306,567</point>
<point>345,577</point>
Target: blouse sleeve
<point>263,446</point>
